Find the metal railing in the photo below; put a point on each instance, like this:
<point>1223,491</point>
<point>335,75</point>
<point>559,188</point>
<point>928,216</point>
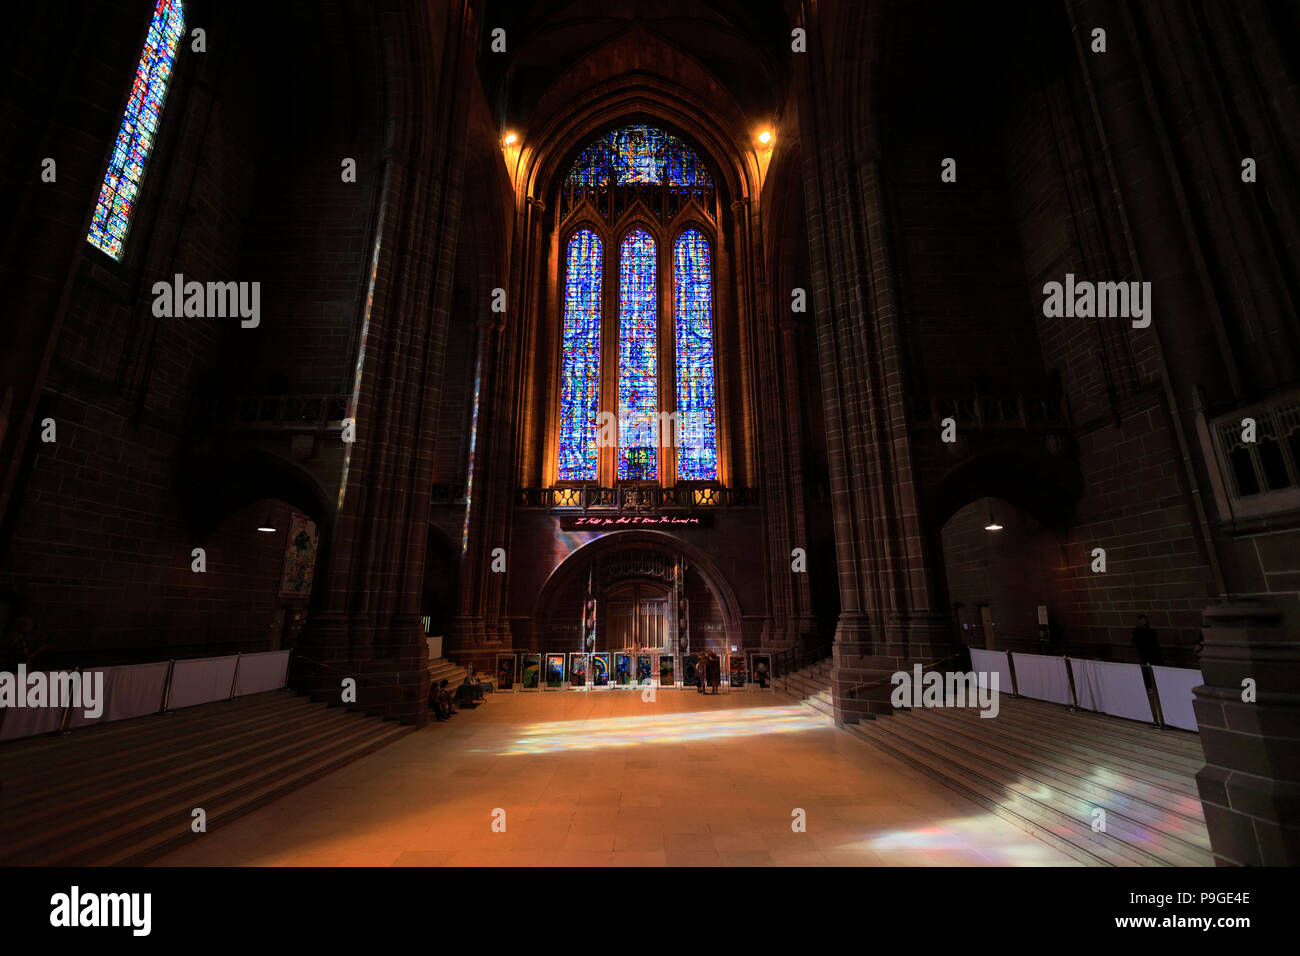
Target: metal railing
<point>791,659</point>
<point>302,412</point>
<point>852,692</point>
<point>636,499</point>
<point>990,411</point>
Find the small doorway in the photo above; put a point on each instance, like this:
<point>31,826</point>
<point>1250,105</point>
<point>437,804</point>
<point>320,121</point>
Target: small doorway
<point>636,615</point>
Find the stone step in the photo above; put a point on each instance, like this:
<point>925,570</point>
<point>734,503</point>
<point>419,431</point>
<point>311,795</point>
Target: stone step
<point>136,803</point>
<point>1149,803</point>
<point>1048,778</point>
<point>1021,813</point>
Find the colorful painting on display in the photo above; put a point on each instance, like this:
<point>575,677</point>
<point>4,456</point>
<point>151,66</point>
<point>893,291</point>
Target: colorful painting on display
<point>299,557</point>
<point>690,670</point>
<point>600,670</point>
<point>577,669</point>
<point>531,671</point>
<point>554,671</point>
<point>644,668</point>
<point>737,670</point>
<point>139,130</point>
<point>760,666</point>
<point>667,671</point>
<point>505,672</point>
<point>623,670</point>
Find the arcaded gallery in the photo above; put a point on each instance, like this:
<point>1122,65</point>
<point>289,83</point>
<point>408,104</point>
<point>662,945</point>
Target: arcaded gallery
<point>752,433</point>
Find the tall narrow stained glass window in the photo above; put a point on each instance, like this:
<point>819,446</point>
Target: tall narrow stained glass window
<point>638,346</point>
<point>697,434</point>
<point>580,375</point>
<point>139,130</point>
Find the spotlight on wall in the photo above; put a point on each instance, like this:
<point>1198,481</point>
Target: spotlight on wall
<point>266,525</point>
<point>510,139</point>
<point>765,137</point>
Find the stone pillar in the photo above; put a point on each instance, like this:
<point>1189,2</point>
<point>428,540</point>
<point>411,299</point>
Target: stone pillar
<point>1250,784</point>
<point>369,628</point>
<point>890,569</point>
<point>466,629</point>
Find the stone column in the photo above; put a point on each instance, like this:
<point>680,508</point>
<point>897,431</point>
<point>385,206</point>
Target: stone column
<point>1250,784</point>
<point>370,627</point>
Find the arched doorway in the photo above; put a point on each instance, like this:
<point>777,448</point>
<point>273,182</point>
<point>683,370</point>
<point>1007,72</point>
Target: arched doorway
<point>685,600</point>
<point>637,615</point>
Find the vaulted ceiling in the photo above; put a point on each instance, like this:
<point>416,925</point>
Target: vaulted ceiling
<point>745,44</point>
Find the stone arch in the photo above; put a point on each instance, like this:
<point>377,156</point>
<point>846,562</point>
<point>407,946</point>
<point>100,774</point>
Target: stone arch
<point>682,97</point>
<point>1034,480</point>
<point>576,564</point>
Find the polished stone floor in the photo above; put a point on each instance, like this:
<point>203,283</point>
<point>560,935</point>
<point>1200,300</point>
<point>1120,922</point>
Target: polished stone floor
<point>607,778</point>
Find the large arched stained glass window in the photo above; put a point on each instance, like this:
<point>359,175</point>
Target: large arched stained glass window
<point>642,202</point>
<point>580,378</point>
<point>697,434</point>
<point>638,345</point>
<point>139,129</point>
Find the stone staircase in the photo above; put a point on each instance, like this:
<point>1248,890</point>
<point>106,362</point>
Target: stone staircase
<point>441,669</point>
<point>811,685</point>
<point>1047,770</point>
<point>124,793</point>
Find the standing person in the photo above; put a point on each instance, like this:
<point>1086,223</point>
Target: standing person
<point>1148,648</point>
<point>715,671</point>
<point>701,671</point>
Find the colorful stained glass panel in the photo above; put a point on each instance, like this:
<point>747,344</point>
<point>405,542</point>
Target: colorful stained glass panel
<point>580,374</point>
<point>139,130</point>
<point>638,343</point>
<point>697,432</point>
<point>633,155</point>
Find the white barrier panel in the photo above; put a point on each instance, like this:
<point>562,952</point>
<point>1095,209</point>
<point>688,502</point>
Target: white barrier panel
<point>435,647</point>
<point>1042,677</point>
<point>259,672</point>
<point>992,662</point>
<point>1174,685</point>
<point>1112,688</point>
<point>129,691</point>
<point>201,681</point>
<point>18,722</point>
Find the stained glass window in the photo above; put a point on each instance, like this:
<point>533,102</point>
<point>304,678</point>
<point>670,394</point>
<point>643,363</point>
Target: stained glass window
<point>638,345</point>
<point>580,377</point>
<point>634,155</point>
<point>139,129</point>
<point>697,434</point>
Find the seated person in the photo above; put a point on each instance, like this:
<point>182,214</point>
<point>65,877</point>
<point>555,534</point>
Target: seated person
<point>436,704</point>
<point>444,696</point>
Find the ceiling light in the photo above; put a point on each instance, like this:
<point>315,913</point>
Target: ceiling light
<point>510,139</point>
<point>765,137</point>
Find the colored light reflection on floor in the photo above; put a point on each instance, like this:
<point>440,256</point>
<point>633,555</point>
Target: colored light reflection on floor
<point>663,729</point>
<point>961,839</point>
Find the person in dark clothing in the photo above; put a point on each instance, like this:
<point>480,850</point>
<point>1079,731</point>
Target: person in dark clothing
<point>435,702</point>
<point>444,697</point>
<point>1144,639</point>
<point>715,671</point>
<point>1148,648</point>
